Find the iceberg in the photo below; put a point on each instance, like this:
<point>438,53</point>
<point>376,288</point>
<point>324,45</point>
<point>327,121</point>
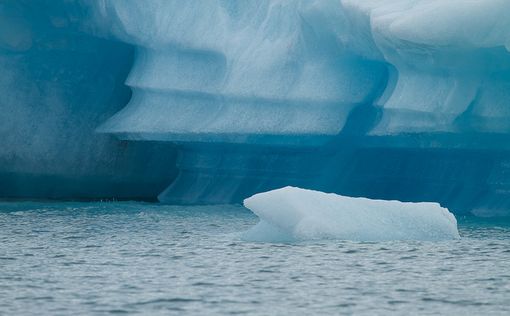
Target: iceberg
<point>294,214</point>
<point>209,102</point>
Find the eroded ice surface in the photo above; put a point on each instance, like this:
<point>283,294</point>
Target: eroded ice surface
<point>394,100</point>
<point>290,213</point>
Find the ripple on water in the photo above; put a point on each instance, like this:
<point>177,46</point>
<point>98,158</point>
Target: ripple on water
<point>124,258</point>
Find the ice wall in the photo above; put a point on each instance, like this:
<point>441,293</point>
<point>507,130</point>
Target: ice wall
<point>390,99</point>
<point>263,94</point>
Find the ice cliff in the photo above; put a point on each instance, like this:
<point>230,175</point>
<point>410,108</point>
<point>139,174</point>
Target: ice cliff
<point>392,99</point>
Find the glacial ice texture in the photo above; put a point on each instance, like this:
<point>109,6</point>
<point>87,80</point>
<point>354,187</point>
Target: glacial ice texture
<point>294,214</point>
<point>57,84</point>
<point>405,100</point>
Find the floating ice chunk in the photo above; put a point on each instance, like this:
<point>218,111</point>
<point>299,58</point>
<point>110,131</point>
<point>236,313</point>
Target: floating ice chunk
<point>290,213</point>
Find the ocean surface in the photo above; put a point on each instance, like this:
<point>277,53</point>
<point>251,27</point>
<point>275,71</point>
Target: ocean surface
<point>150,259</point>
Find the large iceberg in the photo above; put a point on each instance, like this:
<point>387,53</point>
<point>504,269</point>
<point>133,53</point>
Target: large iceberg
<point>294,214</point>
<point>405,100</point>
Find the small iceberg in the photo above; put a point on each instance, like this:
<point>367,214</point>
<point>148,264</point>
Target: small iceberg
<point>294,214</point>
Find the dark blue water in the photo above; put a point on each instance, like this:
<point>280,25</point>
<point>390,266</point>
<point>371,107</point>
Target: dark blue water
<point>133,258</point>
